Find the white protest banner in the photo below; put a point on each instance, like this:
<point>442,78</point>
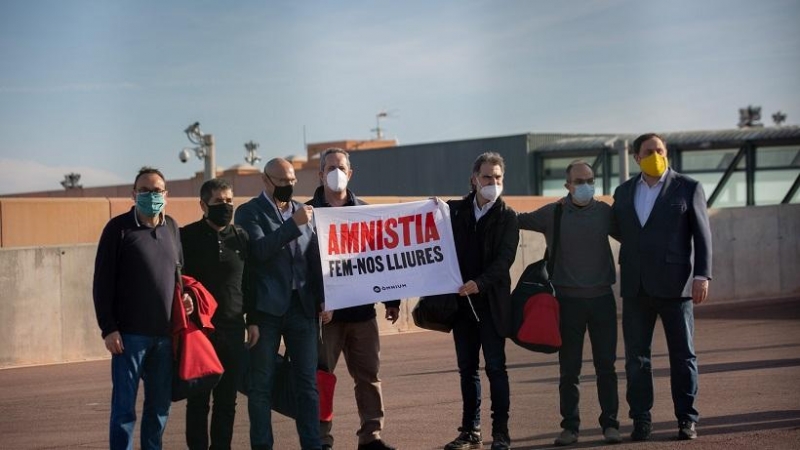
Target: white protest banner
<point>374,253</point>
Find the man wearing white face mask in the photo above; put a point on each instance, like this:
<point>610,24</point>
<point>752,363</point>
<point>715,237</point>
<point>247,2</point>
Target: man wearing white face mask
<point>486,235</point>
<point>352,331</point>
<point>583,275</point>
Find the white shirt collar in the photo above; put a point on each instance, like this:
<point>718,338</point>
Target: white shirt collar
<point>480,212</point>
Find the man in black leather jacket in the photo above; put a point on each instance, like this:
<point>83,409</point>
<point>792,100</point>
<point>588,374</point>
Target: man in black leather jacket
<point>486,236</point>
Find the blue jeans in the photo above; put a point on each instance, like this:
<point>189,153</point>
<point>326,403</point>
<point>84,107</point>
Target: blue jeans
<point>599,316</point>
<point>148,358</point>
<point>638,321</point>
<point>300,336</point>
<point>469,337</point>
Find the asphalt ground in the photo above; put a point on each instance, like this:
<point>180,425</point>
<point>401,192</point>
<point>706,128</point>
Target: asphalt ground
<point>749,357</point>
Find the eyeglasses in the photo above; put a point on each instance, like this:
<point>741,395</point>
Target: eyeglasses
<point>281,181</point>
<point>151,191</point>
<point>580,181</point>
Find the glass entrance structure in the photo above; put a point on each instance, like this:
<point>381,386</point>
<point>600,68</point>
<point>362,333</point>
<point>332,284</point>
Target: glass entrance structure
<point>741,167</point>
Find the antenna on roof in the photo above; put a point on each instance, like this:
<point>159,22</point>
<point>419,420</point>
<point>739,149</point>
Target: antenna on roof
<point>779,117</point>
<point>750,116</point>
<point>71,181</point>
<point>382,114</point>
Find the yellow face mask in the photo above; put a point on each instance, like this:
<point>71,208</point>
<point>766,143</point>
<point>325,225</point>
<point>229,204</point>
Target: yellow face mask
<point>654,165</point>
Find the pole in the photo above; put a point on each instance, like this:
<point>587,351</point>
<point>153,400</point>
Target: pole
<point>621,145</point>
<point>210,159</point>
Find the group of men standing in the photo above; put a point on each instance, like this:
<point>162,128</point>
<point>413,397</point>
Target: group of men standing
<point>660,219</point>
<point>264,271</point>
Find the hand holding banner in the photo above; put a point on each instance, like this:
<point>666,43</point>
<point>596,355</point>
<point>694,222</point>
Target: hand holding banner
<point>375,253</point>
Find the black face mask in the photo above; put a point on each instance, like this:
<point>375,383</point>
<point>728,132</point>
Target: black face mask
<point>283,193</point>
<point>220,214</point>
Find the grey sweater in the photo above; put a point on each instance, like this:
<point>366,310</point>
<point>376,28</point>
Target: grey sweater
<point>584,265</point>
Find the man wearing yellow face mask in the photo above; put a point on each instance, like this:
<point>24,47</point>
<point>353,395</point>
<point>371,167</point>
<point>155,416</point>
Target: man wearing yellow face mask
<point>661,220</point>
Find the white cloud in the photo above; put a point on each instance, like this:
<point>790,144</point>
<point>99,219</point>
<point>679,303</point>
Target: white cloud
<point>20,176</point>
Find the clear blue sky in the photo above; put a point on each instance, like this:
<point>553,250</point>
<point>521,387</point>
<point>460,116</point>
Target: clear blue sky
<point>104,87</point>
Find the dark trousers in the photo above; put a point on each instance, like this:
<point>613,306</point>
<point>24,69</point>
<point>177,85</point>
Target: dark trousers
<point>228,345</point>
<point>470,336</point>
<point>638,322</point>
<point>599,316</point>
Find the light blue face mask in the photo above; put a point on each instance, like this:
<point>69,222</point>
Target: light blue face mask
<point>583,193</point>
<point>150,203</point>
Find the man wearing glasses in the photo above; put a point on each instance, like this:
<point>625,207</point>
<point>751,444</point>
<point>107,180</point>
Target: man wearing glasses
<point>583,275</point>
<point>134,286</point>
<point>282,300</point>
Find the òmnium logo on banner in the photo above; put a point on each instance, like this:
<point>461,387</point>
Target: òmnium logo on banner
<point>386,288</point>
<point>370,253</point>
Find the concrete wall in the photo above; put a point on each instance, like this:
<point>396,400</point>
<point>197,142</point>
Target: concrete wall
<point>47,315</point>
<point>46,312</point>
<point>756,252</point>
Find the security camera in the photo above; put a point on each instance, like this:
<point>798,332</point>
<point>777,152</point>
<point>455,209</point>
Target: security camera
<point>184,155</point>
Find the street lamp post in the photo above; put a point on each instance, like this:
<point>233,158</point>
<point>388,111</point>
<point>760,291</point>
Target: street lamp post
<point>205,149</point>
<point>252,157</point>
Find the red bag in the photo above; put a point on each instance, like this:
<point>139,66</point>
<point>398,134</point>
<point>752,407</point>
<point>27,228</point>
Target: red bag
<point>196,367</point>
<point>198,358</point>
<point>539,330</point>
<point>326,385</point>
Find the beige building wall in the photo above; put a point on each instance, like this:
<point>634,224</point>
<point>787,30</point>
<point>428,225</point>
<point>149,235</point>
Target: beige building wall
<point>30,222</point>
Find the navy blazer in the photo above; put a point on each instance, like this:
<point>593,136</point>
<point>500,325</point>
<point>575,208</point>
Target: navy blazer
<point>657,255</point>
<point>273,264</point>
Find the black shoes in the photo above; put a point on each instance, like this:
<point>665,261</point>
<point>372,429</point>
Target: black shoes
<point>501,441</point>
<point>686,430</point>
<point>466,440</point>
<point>377,444</point>
<point>641,431</point>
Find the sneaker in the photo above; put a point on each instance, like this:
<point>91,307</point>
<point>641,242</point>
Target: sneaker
<point>327,447</point>
<point>501,441</point>
<point>611,436</point>
<point>641,430</point>
<point>466,440</point>
<point>686,430</point>
<point>377,444</point>
<point>567,437</point>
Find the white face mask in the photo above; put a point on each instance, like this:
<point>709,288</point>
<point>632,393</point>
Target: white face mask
<point>491,192</point>
<point>336,180</point>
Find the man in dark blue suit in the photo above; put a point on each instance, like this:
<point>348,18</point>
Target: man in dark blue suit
<point>283,302</point>
<point>660,220</point>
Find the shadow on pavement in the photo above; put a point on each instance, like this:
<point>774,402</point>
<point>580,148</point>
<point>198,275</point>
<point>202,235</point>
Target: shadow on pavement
<point>663,372</point>
<point>667,430</point>
<point>785,309</point>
